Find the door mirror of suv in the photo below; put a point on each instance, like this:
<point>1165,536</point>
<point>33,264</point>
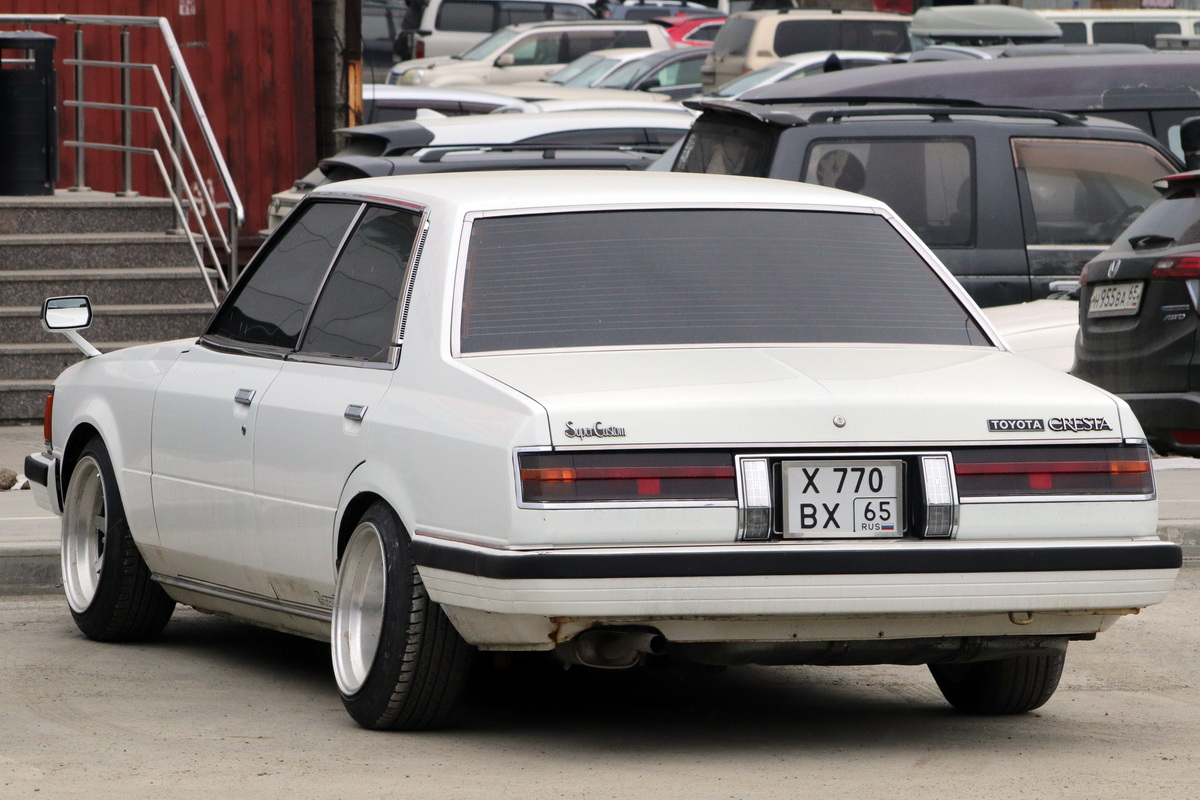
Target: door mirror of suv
<point>506,60</point>
<point>1189,140</point>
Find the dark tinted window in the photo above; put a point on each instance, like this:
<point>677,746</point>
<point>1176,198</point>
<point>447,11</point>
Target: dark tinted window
<point>467,15</point>
<point>726,149</point>
<point>269,305</point>
<point>734,37</point>
<point>705,33</point>
<point>1073,32</point>
<point>878,35</point>
<point>1130,32</point>
<point>676,277</point>
<point>929,183</point>
<point>807,35</point>
<point>355,316</point>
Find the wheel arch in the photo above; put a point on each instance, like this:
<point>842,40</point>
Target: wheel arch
<point>80,435</point>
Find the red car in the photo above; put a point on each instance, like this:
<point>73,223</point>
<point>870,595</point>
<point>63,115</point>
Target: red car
<point>689,29</point>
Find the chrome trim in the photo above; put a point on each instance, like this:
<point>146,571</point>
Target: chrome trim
<point>355,412</point>
<point>244,397</point>
<point>414,262</point>
<point>245,598</point>
<point>1059,498</point>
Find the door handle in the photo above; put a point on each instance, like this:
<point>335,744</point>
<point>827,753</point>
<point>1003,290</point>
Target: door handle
<point>244,396</point>
<point>355,413</point>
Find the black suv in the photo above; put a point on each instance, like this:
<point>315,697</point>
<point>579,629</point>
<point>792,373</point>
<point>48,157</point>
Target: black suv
<point>1009,199</point>
<point>1138,318</point>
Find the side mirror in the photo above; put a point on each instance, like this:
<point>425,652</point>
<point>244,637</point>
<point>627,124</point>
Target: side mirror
<point>68,316</point>
<point>506,60</point>
<point>1189,140</point>
<point>66,313</point>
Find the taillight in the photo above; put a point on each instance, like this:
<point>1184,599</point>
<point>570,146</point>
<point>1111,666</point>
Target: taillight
<point>47,427</point>
<point>1189,437</point>
<point>635,475</point>
<point>1035,471</point>
<point>1178,268</point>
<point>420,49</point>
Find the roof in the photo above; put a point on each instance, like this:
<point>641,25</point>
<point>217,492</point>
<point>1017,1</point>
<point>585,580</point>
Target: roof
<point>821,13</point>
<point>505,191</point>
<point>1067,83</point>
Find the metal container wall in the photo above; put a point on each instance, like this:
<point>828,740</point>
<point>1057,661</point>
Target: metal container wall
<point>251,62</point>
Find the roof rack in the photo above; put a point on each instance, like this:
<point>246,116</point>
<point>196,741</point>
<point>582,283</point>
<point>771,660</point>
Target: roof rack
<point>939,109</point>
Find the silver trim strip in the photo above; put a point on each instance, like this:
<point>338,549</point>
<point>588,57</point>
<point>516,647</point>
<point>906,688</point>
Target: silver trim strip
<point>1058,498</point>
<point>245,598</point>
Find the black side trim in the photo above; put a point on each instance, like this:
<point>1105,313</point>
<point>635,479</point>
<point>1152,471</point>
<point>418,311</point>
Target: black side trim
<point>921,558</point>
<point>36,471</point>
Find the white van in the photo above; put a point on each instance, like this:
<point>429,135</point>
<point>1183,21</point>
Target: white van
<point>1131,26</point>
<point>449,27</point>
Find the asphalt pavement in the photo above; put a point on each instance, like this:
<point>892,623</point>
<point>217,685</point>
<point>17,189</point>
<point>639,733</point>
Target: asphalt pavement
<point>29,535</point>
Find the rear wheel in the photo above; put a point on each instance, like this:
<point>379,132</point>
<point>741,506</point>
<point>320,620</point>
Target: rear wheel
<point>1005,686</point>
<point>398,660</point>
<point>108,586</point>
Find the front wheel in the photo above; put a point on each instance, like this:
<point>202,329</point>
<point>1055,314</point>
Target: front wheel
<point>398,660</point>
<point>108,586</point>
<point>1005,686</point>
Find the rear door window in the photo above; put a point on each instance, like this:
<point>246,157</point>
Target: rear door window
<point>355,315</point>
<point>806,35</point>
<point>929,183</point>
<point>267,308</point>
<point>1085,193</point>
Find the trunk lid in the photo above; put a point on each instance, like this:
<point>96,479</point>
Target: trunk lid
<point>798,395</point>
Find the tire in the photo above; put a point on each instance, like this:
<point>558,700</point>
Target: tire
<point>398,660</point>
<point>1006,686</point>
<point>108,586</point>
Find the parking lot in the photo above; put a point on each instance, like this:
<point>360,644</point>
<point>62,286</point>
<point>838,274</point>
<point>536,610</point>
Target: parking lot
<point>220,709</point>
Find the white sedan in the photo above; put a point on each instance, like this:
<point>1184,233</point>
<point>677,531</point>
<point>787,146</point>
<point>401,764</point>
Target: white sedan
<point>651,416</point>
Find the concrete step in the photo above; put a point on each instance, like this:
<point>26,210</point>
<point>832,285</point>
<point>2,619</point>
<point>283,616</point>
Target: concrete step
<point>105,286</point>
<point>43,361</point>
<point>127,323</point>
<point>23,251</point>
<point>85,212</point>
<point>23,401</point>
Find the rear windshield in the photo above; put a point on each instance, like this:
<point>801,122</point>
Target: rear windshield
<point>700,276</point>
<point>734,37</point>
<point>727,148</point>
<point>1168,223</point>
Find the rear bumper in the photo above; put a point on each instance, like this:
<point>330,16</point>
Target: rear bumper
<point>1161,415</point>
<point>810,591</point>
<point>42,471</point>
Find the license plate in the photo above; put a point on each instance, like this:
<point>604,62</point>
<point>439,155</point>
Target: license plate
<point>1116,300</point>
<point>860,499</point>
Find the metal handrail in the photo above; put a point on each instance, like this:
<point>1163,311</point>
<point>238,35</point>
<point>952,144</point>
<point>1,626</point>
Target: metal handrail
<point>178,149</point>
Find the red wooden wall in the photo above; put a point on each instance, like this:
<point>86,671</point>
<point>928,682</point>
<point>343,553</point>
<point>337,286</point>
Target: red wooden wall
<point>251,62</point>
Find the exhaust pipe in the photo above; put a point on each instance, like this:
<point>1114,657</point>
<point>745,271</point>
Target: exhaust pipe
<point>606,648</point>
